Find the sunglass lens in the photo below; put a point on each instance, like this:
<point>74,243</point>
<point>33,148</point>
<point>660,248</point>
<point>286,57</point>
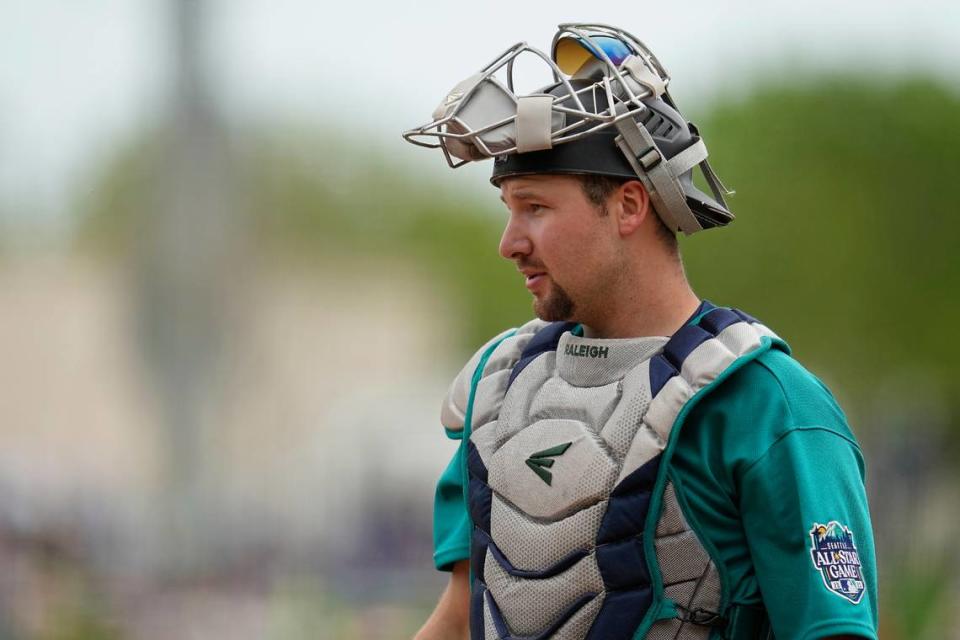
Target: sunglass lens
<point>571,53</point>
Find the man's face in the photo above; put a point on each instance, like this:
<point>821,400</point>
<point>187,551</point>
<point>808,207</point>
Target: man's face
<point>569,254</point>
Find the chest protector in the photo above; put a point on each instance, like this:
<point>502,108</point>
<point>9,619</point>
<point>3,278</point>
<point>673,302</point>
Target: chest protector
<point>577,531</point>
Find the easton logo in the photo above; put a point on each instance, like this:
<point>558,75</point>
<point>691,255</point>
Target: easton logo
<point>586,351</point>
<point>541,461</point>
<point>835,555</point>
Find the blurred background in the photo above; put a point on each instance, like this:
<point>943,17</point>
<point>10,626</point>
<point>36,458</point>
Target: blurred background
<point>232,298</point>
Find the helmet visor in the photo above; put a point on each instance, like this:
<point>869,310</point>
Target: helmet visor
<point>571,53</point>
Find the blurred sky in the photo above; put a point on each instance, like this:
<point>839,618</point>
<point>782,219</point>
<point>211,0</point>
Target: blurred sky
<point>79,77</point>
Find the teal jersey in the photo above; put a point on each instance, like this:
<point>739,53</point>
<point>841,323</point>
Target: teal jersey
<point>759,463</point>
<point>771,478</point>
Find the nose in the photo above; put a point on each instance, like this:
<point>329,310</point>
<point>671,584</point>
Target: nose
<point>515,242</point>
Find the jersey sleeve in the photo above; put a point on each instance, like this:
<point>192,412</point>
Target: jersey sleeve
<point>805,514</point>
<point>451,522</point>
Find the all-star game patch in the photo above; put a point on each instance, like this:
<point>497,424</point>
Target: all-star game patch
<point>835,555</point>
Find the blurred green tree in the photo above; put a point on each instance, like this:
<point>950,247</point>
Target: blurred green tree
<point>847,225</point>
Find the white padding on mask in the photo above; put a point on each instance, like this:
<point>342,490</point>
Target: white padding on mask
<point>486,104</point>
<point>534,123</point>
<point>456,94</point>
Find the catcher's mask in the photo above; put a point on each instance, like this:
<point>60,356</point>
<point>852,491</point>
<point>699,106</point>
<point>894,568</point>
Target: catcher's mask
<point>607,112</point>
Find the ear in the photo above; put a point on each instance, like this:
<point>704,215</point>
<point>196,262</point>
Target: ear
<point>634,207</point>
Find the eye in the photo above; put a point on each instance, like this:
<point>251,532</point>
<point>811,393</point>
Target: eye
<point>535,207</point>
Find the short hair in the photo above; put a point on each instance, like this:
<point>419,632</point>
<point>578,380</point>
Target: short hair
<point>598,189</point>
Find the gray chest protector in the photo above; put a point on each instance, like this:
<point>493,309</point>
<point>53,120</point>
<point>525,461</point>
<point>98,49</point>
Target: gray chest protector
<point>577,532</point>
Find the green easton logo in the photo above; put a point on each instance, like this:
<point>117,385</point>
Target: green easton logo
<point>541,461</point>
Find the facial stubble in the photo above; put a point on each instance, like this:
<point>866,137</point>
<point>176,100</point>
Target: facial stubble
<point>554,306</point>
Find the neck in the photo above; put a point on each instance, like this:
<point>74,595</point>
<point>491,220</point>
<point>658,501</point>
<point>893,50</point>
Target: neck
<point>650,302</point>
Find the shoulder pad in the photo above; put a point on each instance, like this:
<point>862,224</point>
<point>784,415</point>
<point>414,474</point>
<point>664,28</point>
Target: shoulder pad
<point>504,356</point>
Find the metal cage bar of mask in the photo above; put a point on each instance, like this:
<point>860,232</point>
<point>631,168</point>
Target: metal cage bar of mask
<point>588,121</point>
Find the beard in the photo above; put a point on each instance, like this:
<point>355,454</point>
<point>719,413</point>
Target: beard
<point>555,305</point>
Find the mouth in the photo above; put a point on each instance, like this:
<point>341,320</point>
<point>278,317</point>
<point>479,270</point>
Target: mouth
<point>534,280</point>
